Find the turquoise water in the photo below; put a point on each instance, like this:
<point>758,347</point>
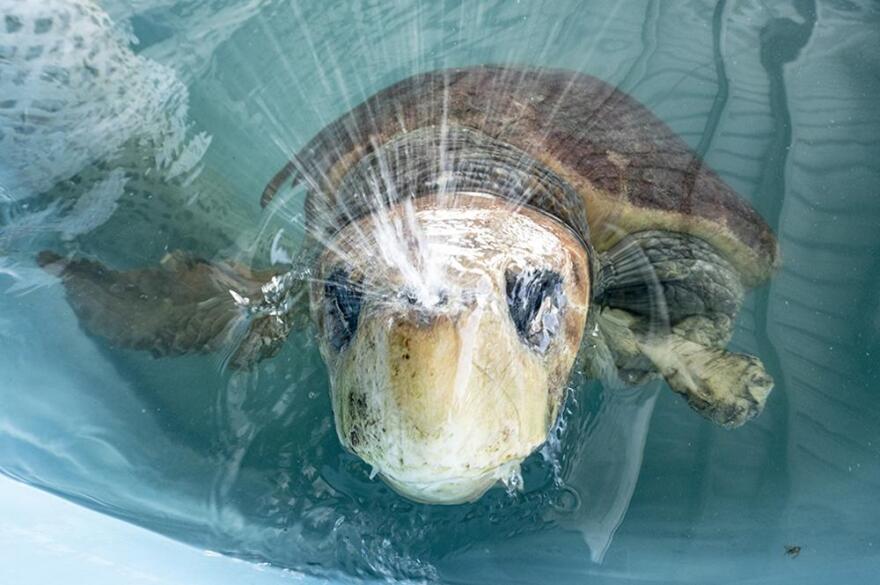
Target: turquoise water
<point>211,97</point>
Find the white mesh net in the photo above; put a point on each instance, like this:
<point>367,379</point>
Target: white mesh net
<point>74,94</point>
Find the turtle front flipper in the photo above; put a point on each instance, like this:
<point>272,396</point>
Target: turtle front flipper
<point>183,305</point>
<point>727,388</point>
<point>668,302</point>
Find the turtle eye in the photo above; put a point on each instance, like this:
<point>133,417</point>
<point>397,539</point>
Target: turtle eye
<point>342,304</point>
<point>535,299</point>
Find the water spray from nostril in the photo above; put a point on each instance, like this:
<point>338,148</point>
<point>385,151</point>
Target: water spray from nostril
<point>426,300</point>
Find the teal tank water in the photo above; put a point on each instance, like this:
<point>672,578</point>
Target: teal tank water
<point>132,128</point>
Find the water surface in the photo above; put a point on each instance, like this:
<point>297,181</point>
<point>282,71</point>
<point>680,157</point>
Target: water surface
<point>209,100</point>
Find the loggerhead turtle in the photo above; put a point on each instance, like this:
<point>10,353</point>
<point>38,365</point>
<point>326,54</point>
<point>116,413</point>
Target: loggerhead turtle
<point>469,232</point>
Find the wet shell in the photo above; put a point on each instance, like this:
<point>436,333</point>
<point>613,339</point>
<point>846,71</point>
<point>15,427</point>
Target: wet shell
<point>632,172</point>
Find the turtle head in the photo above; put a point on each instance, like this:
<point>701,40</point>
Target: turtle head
<point>449,327</point>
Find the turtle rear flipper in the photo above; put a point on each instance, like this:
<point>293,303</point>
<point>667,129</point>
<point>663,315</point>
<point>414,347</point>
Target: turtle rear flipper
<point>183,305</point>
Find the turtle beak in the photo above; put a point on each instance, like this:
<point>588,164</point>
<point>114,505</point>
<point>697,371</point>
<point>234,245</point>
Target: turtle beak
<point>443,402</point>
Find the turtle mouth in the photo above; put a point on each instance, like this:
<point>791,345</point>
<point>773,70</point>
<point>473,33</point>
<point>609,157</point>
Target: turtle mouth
<point>454,488</point>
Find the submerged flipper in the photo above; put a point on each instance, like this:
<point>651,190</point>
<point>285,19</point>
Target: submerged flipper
<point>727,388</point>
<point>668,305</point>
<point>184,305</point>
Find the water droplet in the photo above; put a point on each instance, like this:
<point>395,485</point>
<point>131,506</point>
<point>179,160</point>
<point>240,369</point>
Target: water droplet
<point>568,500</point>
<point>513,480</point>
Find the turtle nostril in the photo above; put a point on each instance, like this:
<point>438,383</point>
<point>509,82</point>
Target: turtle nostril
<point>426,299</point>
